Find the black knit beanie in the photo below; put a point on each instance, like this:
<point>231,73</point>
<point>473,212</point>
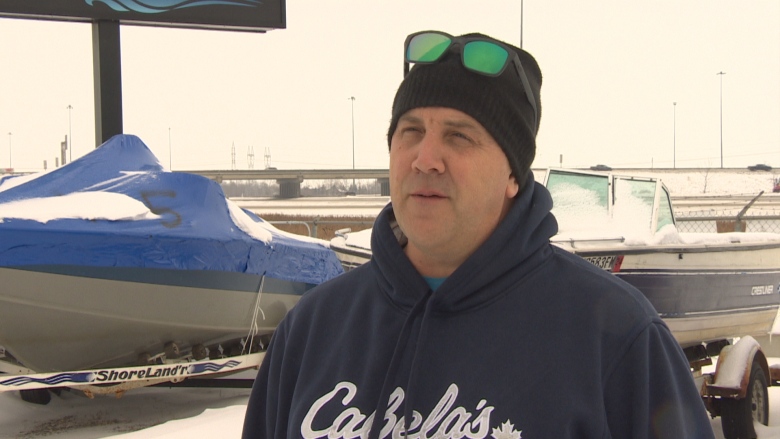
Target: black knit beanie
<point>498,103</point>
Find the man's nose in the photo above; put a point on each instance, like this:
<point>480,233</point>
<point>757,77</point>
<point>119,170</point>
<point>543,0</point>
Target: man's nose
<point>430,155</point>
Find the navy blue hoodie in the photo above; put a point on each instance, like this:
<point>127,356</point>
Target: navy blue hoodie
<point>522,341</point>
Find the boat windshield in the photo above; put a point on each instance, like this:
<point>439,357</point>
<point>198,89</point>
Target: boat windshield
<point>580,200</point>
<point>665,215</point>
<point>576,188</point>
<point>634,201</point>
<point>589,201</point>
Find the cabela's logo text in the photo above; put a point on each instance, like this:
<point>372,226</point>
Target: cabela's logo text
<point>444,421</point>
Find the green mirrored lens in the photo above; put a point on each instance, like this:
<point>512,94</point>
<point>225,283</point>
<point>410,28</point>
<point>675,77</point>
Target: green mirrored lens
<point>484,57</point>
<point>427,47</point>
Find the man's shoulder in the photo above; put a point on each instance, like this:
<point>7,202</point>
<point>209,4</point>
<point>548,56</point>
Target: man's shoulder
<point>343,287</point>
<point>580,281</point>
<point>572,267</point>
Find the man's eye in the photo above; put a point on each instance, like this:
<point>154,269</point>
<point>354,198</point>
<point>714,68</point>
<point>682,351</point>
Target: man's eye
<point>461,136</point>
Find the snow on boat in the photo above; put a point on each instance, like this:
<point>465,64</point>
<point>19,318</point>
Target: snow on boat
<point>708,287</point>
<point>112,260</point>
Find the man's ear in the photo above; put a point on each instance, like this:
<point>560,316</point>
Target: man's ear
<point>512,187</point>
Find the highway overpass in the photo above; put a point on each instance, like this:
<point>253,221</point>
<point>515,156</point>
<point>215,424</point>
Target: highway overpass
<point>290,179</point>
<point>680,181</point>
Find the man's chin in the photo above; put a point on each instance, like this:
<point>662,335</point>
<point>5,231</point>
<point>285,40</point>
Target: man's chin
<point>431,237</point>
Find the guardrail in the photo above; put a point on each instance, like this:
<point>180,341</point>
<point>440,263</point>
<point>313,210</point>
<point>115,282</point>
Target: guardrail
<point>315,230</point>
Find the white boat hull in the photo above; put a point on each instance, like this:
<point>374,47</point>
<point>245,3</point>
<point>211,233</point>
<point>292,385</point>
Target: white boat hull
<point>53,321</point>
<point>703,292</point>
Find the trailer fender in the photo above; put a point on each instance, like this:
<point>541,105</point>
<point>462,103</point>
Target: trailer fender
<point>732,372</point>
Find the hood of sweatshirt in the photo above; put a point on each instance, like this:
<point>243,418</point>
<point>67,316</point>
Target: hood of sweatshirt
<point>519,244</point>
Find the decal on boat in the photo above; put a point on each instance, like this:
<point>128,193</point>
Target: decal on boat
<point>762,290</point>
<point>124,374</point>
<point>603,262</point>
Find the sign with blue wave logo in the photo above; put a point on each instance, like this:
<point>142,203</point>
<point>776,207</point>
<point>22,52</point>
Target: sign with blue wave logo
<point>243,15</point>
<point>149,373</point>
<point>51,380</point>
<point>162,6</point>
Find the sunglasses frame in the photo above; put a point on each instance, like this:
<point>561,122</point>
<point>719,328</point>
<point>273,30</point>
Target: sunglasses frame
<point>461,42</point>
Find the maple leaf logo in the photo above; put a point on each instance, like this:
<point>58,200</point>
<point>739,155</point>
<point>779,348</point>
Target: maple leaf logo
<point>507,431</point>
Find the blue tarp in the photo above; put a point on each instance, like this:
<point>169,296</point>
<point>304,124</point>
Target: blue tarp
<point>194,230</point>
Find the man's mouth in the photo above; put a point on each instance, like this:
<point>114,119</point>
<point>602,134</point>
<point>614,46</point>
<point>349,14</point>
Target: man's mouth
<point>428,194</point>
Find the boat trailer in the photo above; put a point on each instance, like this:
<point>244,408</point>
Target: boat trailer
<point>34,387</point>
<point>737,389</point>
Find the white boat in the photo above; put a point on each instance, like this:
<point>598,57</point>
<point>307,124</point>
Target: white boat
<point>708,287</point>
<point>113,261</point>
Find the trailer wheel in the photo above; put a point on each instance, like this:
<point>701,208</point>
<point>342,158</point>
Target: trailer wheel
<point>199,352</point>
<point>171,350</point>
<point>36,396</point>
<point>738,414</point>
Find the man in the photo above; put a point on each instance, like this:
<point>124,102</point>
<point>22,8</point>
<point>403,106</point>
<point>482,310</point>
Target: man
<point>467,322</point>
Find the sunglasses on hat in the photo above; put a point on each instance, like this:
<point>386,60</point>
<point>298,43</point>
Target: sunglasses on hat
<point>478,54</point>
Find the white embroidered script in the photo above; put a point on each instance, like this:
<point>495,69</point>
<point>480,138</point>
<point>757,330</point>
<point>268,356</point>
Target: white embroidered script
<point>443,422</point>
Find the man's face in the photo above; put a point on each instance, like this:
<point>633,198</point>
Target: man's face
<point>450,185</point>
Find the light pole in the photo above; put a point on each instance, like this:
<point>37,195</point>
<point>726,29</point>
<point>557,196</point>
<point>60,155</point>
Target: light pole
<point>352,98</point>
<point>721,117</point>
<point>10,165</point>
<point>170,154</point>
<point>521,24</point>
<point>674,137</point>
<point>70,136</point>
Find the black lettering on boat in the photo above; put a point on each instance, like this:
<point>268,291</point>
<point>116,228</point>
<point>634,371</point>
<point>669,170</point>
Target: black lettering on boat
<point>157,209</point>
<point>140,373</point>
<point>603,262</point>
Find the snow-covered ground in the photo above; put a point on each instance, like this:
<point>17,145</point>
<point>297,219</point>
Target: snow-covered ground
<point>177,414</point>
<point>141,413</point>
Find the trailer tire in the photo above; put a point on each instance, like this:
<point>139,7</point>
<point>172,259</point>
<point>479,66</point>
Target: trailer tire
<point>199,352</point>
<point>738,414</point>
<point>36,396</point>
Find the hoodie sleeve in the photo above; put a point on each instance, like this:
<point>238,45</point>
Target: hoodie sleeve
<point>650,394</point>
<point>265,416</point>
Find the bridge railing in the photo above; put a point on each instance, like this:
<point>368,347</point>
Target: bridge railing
<point>322,229</point>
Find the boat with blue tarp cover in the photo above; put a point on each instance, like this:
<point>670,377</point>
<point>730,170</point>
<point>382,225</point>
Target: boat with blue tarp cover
<point>112,259</point>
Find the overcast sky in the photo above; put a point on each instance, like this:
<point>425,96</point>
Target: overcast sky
<point>612,71</point>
